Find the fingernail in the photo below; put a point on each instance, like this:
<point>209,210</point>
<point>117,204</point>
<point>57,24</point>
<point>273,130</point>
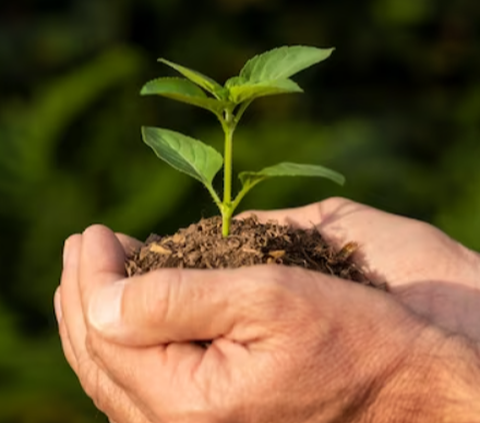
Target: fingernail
<point>104,312</point>
<point>57,302</point>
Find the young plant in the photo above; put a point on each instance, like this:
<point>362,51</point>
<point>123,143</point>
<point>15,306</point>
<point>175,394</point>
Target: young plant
<point>266,74</point>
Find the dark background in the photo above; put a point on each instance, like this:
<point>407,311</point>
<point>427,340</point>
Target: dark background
<point>396,109</point>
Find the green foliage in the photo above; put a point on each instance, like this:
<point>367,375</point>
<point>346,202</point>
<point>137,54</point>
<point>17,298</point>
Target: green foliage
<point>290,169</point>
<point>183,90</point>
<point>185,154</point>
<point>203,81</point>
<point>282,63</point>
<point>264,75</point>
<point>248,91</point>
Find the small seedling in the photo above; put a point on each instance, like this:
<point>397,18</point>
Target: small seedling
<point>266,74</point>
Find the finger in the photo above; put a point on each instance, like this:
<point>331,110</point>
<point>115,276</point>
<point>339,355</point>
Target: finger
<point>165,304</point>
<point>62,330</point>
<point>115,402</point>
<point>392,249</point>
<point>299,217</point>
<point>129,244</point>
<point>101,263</point>
<point>69,297</point>
<point>107,396</point>
<point>331,217</point>
<point>67,347</point>
<point>178,305</point>
<point>380,235</point>
<point>57,304</point>
<point>154,377</point>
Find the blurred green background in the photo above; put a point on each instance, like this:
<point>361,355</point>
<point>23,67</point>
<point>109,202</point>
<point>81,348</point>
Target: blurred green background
<point>396,109</point>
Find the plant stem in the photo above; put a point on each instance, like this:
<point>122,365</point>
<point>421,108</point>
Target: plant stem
<point>228,125</point>
<point>226,219</point>
<point>241,110</point>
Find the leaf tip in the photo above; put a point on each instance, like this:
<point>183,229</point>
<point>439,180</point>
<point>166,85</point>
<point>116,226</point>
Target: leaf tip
<point>145,90</point>
<point>330,50</point>
<point>145,130</point>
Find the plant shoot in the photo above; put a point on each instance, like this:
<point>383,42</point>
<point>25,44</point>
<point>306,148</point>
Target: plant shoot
<point>266,74</point>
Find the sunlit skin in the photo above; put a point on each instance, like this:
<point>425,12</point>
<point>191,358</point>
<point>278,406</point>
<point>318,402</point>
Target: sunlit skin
<point>287,345</point>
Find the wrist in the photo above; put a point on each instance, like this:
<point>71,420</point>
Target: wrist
<point>438,382</point>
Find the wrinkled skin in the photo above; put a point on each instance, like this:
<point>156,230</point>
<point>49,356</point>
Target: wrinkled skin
<point>288,345</point>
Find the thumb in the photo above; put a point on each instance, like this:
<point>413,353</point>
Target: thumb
<point>102,260</point>
<point>170,305</point>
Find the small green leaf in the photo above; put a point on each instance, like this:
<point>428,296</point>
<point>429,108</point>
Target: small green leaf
<point>290,169</point>
<point>183,153</point>
<point>282,62</point>
<point>201,80</point>
<point>250,91</point>
<point>235,81</point>
<point>183,90</point>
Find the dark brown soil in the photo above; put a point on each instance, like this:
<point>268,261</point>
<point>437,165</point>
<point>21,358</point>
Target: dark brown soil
<point>202,246</point>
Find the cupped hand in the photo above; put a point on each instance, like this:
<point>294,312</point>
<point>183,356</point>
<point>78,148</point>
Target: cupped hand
<point>426,270</point>
<point>287,345</point>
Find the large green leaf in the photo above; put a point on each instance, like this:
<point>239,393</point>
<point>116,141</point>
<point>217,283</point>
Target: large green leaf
<point>183,153</point>
<point>290,169</point>
<point>201,80</point>
<point>282,62</point>
<point>183,90</point>
<point>250,91</point>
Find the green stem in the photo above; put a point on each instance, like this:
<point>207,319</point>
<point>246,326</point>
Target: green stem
<point>246,188</point>
<point>226,219</point>
<point>228,125</point>
<point>214,195</point>
<point>241,110</point>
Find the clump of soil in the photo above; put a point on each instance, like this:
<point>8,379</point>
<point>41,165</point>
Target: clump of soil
<point>250,242</point>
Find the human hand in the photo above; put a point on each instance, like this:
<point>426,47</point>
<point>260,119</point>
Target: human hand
<point>427,271</point>
<point>287,345</point>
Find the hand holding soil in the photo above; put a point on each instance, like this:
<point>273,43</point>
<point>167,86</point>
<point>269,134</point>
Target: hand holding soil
<point>286,344</point>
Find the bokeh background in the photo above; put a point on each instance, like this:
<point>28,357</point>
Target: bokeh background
<point>396,109</point>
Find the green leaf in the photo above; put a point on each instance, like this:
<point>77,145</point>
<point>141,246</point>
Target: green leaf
<point>183,90</point>
<point>290,169</point>
<point>201,80</point>
<point>183,153</point>
<point>250,91</point>
<point>235,81</point>
<point>282,62</point>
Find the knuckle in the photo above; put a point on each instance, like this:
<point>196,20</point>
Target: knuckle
<point>272,288</point>
<point>323,210</point>
<point>158,297</point>
<point>289,294</point>
<point>103,398</point>
<point>333,203</point>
